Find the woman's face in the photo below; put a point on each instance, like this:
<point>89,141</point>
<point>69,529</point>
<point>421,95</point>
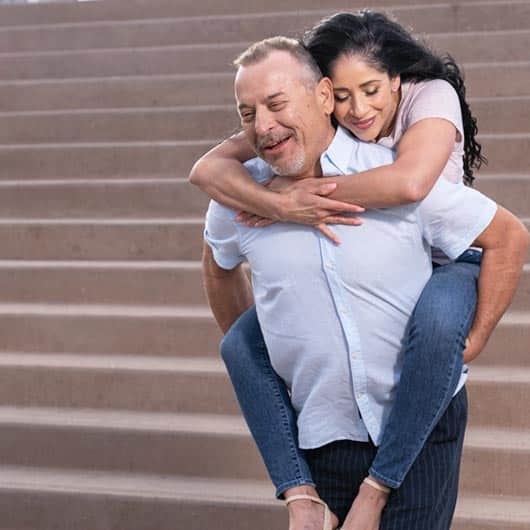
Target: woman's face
<point>366,99</point>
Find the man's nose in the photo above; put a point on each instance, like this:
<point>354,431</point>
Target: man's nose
<point>264,122</point>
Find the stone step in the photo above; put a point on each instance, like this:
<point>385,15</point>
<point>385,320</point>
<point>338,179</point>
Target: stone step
<point>124,125</point>
<point>198,385</point>
<point>510,342</point>
<point>67,499</point>
<point>68,11</point>
<point>214,446</point>
<point>149,198</point>
<point>36,499</point>
<point>153,443</point>
<point>491,513</point>
<point>160,53</point>
<point>494,115</point>
<point>110,199</point>
<point>501,453</point>
<point>437,18</point>
<point>39,499</point>
<point>488,398</point>
<point>160,384</point>
<point>101,159</point>
<point>113,330</point>
<point>157,283</point>
<point>181,444</point>
<point>166,283</point>
<point>507,153</point>
<point>182,331</point>
<point>102,239</point>
<point>204,89</point>
<point>117,92</point>
<point>511,191</point>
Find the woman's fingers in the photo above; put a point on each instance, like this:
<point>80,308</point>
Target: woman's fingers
<point>342,220</point>
<point>324,228</point>
<point>253,220</point>
<point>337,206</point>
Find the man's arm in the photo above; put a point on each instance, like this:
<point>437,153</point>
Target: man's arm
<point>505,245</point>
<point>229,292</point>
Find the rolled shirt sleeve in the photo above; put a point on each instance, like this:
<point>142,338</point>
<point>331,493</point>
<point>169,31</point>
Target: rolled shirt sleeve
<point>221,230</point>
<point>452,216</point>
<point>221,234</point>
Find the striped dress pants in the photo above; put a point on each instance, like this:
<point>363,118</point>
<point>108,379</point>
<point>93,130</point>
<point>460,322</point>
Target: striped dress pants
<point>427,497</point>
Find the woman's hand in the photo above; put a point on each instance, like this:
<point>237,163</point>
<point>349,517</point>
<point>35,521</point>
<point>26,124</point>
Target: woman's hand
<point>305,202</point>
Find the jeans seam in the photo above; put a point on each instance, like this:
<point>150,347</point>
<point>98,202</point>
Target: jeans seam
<point>293,448</point>
<point>396,483</point>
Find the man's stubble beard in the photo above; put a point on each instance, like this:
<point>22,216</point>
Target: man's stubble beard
<point>292,167</point>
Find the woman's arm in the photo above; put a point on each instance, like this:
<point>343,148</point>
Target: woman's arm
<point>221,175</point>
<point>421,156</point>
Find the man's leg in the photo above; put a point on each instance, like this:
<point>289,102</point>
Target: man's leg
<point>427,497</point>
<point>338,469</point>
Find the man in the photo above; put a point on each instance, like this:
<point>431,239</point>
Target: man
<point>332,315</point>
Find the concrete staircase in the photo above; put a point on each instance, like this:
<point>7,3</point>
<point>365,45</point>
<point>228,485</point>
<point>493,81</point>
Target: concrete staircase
<point>116,412</point>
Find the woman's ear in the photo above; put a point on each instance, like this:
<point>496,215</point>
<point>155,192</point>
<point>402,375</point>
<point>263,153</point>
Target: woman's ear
<point>325,95</point>
<point>395,83</point>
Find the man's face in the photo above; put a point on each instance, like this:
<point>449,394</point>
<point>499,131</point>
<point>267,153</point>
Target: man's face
<point>285,118</point>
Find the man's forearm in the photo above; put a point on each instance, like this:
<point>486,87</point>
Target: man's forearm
<point>500,272</point>
<point>229,292</point>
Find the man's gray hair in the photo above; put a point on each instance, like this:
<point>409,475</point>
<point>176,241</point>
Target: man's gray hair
<point>260,50</point>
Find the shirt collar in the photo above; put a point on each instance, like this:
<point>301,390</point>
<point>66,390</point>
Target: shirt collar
<point>339,153</point>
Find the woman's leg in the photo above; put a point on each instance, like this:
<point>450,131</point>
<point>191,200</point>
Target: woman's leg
<point>265,402</point>
<point>432,365</point>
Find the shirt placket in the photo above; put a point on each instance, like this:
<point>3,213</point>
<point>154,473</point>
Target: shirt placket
<point>349,328</point>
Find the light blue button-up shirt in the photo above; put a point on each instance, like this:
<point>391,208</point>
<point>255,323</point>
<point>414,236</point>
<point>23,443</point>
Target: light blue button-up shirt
<point>334,317</point>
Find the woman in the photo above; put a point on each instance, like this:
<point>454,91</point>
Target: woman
<point>389,89</point>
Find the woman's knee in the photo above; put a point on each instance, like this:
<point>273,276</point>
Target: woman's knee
<point>242,339</point>
<point>447,304</point>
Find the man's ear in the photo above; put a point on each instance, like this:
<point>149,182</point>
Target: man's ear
<point>325,95</point>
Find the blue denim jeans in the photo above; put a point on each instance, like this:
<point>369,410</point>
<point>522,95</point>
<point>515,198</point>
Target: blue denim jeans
<point>432,366</point>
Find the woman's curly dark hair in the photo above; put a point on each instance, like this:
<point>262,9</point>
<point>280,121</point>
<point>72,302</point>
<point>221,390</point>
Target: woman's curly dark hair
<point>389,47</point>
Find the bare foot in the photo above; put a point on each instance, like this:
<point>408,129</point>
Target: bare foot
<point>365,513</point>
<point>306,514</point>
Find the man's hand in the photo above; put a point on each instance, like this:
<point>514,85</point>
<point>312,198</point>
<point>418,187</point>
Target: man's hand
<point>473,349</point>
<point>304,201</point>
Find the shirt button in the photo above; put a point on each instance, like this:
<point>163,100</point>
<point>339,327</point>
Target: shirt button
<point>354,355</point>
<point>330,266</point>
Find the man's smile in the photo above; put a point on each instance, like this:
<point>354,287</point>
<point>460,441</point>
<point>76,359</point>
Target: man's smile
<point>273,145</point>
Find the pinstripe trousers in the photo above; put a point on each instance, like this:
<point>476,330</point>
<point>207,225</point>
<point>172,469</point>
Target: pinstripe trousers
<point>427,497</point>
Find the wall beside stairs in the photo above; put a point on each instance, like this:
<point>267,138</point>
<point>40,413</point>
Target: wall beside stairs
<point>115,410</point>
